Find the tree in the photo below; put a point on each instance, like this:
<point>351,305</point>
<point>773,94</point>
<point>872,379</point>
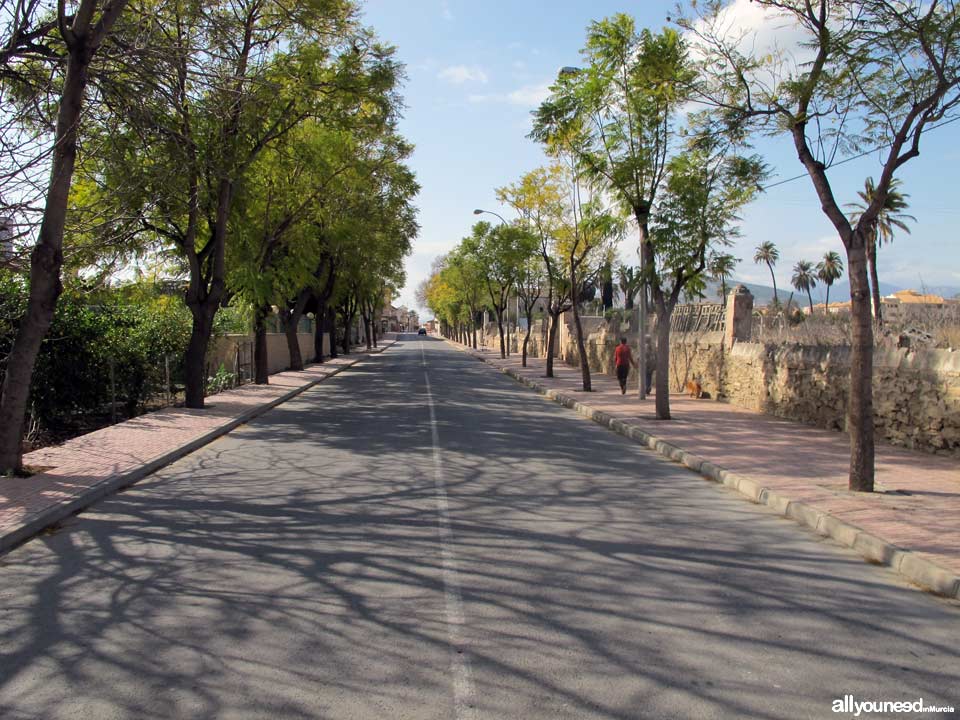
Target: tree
<point>539,201</point>
<point>629,282</point>
<point>707,185</point>
<point>768,254</point>
<point>628,99</point>
<point>829,270</point>
<point>889,216</point>
<point>529,286</point>
<point>606,284</point>
<point>589,227</point>
<point>275,247</point>
<point>235,77</point>
<point>869,74</point>
<point>499,251</point>
<point>83,34</point>
<point>467,277</point>
<point>804,279</point>
<point>721,267</point>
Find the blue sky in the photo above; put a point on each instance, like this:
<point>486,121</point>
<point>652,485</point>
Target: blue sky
<point>477,69</point>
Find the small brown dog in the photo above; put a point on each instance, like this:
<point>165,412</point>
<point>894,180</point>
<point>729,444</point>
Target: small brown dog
<point>695,389</point>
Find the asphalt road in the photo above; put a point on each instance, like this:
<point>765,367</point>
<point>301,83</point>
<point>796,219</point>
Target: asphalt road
<point>420,537</point>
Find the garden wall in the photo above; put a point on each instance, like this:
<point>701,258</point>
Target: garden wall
<point>916,391</point>
<point>224,351</point>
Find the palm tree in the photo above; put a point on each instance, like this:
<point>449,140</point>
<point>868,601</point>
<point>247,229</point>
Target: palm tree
<point>722,267</point>
<point>829,270</point>
<point>767,253</point>
<point>628,280</point>
<point>881,229</point>
<point>804,280</point>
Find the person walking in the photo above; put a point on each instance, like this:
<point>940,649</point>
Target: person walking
<point>623,359</point>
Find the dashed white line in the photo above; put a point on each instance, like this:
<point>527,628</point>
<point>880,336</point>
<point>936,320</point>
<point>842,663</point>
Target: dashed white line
<point>463,693</point>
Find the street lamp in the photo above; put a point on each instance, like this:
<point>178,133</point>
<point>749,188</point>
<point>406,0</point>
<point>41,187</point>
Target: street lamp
<point>478,211</point>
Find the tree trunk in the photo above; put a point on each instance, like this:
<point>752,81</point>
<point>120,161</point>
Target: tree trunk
<point>642,216</point>
<point>291,326</point>
<point>581,348</point>
<point>45,262</point>
<point>508,331</point>
<point>860,408</point>
<point>826,303</point>
<point>810,300</point>
<point>367,332</point>
<point>347,330</point>
<point>776,300</point>
<point>293,344</point>
<point>261,372</point>
<point>552,340</point>
<point>664,311</point>
<point>331,322</point>
<point>195,358</point>
<point>319,328</point>
<point>503,347</point>
<point>874,280</point>
<point>373,327</point>
<point>526,341</point>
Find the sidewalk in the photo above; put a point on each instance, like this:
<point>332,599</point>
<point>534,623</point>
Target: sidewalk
<point>910,524</point>
<point>81,471</point>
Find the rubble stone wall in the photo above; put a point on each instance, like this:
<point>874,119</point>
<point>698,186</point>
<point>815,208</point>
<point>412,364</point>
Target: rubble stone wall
<point>916,392</point>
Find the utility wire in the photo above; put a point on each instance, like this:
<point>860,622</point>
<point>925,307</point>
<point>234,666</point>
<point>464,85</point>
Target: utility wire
<point>856,157</point>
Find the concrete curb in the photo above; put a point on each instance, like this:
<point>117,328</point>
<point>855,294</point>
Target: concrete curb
<point>113,483</point>
<point>922,572</point>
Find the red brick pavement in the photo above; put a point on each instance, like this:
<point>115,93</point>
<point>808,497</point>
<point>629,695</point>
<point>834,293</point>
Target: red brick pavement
<point>918,503</point>
<point>80,469</point>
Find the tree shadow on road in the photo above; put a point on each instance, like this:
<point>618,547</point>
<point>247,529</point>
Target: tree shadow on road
<point>293,569</point>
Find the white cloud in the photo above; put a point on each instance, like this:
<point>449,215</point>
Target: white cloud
<point>759,31</point>
<point>530,95</point>
<point>813,250</point>
<point>526,96</point>
<point>445,12</point>
<point>460,74</point>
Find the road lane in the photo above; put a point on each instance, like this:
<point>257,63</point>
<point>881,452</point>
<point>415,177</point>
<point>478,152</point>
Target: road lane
<point>352,554</point>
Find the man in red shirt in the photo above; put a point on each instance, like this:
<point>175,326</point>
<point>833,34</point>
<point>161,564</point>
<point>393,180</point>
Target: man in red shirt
<point>623,359</point>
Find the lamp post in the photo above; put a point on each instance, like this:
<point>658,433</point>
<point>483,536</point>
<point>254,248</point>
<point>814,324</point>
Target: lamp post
<point>478,211</point>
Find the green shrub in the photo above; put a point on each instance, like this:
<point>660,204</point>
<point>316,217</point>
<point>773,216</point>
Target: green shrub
<point>88,335</point>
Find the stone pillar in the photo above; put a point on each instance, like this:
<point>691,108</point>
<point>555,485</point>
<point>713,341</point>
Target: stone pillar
<point>739,316</point>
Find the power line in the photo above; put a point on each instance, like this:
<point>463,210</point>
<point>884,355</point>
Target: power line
<point>856,157</point>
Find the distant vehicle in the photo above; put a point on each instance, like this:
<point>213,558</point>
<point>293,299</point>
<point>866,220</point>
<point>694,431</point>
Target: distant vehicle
<point>422,331</point>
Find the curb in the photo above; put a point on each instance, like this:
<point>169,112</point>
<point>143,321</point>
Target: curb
<point>116,482</point>
<point>922,572</point>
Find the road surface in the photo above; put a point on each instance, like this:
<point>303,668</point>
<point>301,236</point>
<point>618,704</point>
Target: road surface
<point>420,537</point>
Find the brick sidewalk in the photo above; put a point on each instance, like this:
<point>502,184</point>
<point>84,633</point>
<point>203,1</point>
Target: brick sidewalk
<point>82,470</point>
<point>915,509</point>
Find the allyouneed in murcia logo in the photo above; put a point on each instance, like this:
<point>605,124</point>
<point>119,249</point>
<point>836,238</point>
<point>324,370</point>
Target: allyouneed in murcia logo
<point>848,704</point>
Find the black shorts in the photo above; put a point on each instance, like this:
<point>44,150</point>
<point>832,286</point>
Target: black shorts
<point>622,372</point>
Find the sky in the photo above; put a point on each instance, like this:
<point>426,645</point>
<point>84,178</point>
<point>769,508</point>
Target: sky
<point>476,69</point>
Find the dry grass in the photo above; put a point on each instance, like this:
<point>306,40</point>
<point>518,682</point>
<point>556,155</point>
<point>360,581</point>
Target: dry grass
<point>948,337</point>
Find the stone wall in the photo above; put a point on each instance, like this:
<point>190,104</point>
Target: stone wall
<point>916,392</point>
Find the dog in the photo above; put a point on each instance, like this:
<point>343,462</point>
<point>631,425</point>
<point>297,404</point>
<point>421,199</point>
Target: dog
<point>695,389</point>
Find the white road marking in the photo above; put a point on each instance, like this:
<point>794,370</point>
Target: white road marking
<point>463,694</point>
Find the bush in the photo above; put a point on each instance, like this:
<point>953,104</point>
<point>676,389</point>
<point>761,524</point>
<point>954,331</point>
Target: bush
<point>72,373</point>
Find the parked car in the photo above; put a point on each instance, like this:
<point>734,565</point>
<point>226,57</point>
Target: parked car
<point>422,331</point>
